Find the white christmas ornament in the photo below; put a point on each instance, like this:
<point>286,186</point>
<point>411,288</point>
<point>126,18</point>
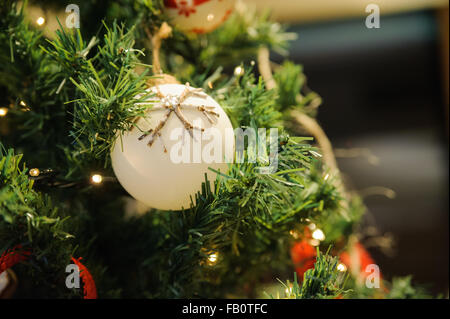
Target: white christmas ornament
<point>198,16</point>
<point>163,163</point>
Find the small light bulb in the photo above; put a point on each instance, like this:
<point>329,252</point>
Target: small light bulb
<point>96,178</point>
<point>210,17</point>
<point>238,71</point>
<point>34,172</point>
<point>341,267</point>
<point>294,233</point>
<point>318,235</point>
<point>3,111</point>
<point>40,21</point>
<point>24,105</point>
<point>213,258</point>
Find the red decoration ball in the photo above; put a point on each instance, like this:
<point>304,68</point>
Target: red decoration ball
<point>198,16</point>
<point>303,256</point>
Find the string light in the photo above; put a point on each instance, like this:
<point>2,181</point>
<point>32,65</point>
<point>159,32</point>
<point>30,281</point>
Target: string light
<point>3,111</point>
<point>24,105</point>
<point>238,71</point>
<point>40,21</point>
<point>213,258</point>
<point>294,233</point>
<point>210,17</point>
<point>318,235</point>
<point>34,172</point>
<point>341,267</point>
<point>96,178</point>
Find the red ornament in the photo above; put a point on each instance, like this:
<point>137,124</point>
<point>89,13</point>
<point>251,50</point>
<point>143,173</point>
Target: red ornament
<point>362,255</point>
<point>198,16</point>
<point>12,257</point>
<point>89,288</point>
<point>303,256</point>
<point>15,255</point>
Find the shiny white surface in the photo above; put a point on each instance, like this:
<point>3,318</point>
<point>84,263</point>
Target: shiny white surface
<point>149,174</point>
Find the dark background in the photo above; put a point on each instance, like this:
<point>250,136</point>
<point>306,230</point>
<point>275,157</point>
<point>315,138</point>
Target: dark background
<point>383,90</point>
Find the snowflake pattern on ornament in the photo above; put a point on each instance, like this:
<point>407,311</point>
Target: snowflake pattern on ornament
<point>174,104</point>
<point>198,16</point>
<point>186,7</point>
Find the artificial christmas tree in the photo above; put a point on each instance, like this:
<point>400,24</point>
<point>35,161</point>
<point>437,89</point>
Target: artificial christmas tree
<point>69,100</point>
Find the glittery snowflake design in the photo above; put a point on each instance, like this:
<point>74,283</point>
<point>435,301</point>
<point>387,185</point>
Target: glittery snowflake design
<point>175,104</point>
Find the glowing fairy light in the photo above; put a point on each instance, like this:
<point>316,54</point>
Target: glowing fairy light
<point>210,17</point>
<point>213,258</point>
<point>318,235</point>
<point>24,106</point>
<point>40,21</point>
<point>34,172</point>
<point>294,233</point>
<point>238,71</point>
<point>3,111</point>
<point>96,178</point>
<point>341,267</point>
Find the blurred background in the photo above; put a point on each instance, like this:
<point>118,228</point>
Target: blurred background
<point>385,96</point>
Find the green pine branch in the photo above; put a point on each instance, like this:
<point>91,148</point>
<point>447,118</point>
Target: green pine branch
<point>324,281</point>
<point>30,219</point>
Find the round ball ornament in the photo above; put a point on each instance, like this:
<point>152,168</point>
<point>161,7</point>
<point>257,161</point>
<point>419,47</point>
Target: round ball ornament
<point>198,16</point>
<point>163,161</point>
